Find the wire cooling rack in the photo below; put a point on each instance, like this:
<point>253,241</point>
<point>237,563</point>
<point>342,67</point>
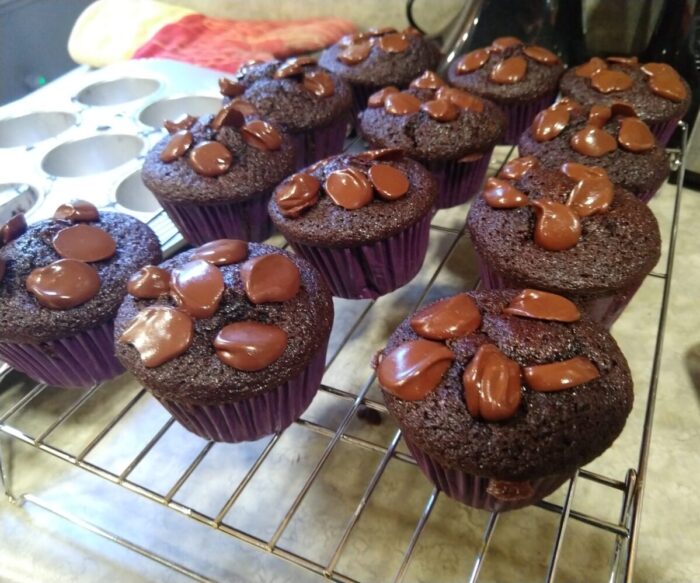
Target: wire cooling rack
<point>349,425</point>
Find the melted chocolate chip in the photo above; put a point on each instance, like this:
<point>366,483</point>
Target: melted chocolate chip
<point>250,346</point>
<point>378,97</point>
<point>222,251</point>
<point>428,80</point>
<point>461,99</point>
<point>77,211</point>
<point>197,288</point>
<point>599,115</point>
<point>505,42</point>
<point>393,43</point>
<point>159,333</point>
<point>63,284</point>
<point>389,182</point>
<point>414,369</point>
<point>210,158</point>
<point>652,69</point>
<point>381,154</point>
<point>348,188</point>
<point>13,228</point>
<point>449,318</point>
<point>184,122</point>
<point>509,71</point>
<point>541,55</point>
<point>557,376</point>
<point>176,147</point>
<point>591,67</point>
<point>568,104</point>
<point>84,243</point>
<point>441,110</point>
<point>297,193</point>
<point>303,60</point>
<point>228,116</point>
<point>557,227</point>
<point>149,282</point>
<point>635,135</point>
<point>518,167</point>
<point>245,107</point>
<point>549,123</point>
<point>591,195</point>
<point>472,61</point>
<point>289,69</point>
<point>401,103</point>
<point>230,88</point>
<point>354,53</point>
<point>577,171</point>
<point>501,194</point>
<point>380,31</point>
<point>492,385</point>
<point>261,135</point>
<point>607,81</point>
<point>270,278</point>
<point>541,305</point>
<point>623,60</point>
<point>594,142</point>
<point>318,83</point>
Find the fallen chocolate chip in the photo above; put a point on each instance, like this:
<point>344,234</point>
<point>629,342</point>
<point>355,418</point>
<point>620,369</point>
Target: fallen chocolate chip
<point>77,211</point>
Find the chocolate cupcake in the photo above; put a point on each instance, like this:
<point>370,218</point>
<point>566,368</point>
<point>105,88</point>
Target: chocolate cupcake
<point>608,137</point>
<point>448,130</point>
<point>214,176</point>
<point>502,395</point>
<point>655,91</point>
<point>308,102</point>
<point>362,220</point>
<point>521,79</point>
<point>230,337</point>
<point>378,58</point>
<point>61,283</point>
<point>567,231</point>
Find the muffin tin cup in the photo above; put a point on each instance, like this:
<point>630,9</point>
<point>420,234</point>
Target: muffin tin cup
<point>200,223</point>
<point>664,130</point>
<point>603,309</point>
<point>458,182</point>
<point>254,417</point>
<point>78,361</point>
<point>315,145</point>
<point>370,271</point>
<point>520,115</point>
<point>472,491</point>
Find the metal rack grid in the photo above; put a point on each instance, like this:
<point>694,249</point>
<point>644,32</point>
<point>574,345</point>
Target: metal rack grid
<point>631,486</point>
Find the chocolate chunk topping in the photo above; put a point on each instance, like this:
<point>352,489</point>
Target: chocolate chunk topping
<point>549,123</point>
<point>84,243</point>
<point>623,60</point>
<point>594,142</point>
<point>461,99</point>
<point>159,333</point>
<point>652,69</point>
<point>382,154</point>
<point>557,227</point>
<point>389,182</point>
<point>541,305</point>
<point>591,67</point>
<point>230,88</point>
<point>290,68</point>
<point>557,376</point>
<point>568,104</point>
<point>261,135</point>
<point>440,109</point>
<point>179,143</point>
<point>505,42</point>
<point>591,195</point>
<point>428,80</point>
<point>378,97</point>
<point>501,194</point>
<point>63,284</point>
<point>270,278</point>
<point>184,122</point>
<point>222,251</point>
<point>635,135</point>
<point>393,43</point>
<point>77,211</point>
<point>414,369</point>
<point>197,288</point>
<point>318,83</point>
<point>13,229</point>
<point>607,81</point>
<point>577,171</point>
<point>348,188</point>
<point>492,385</point>
<point>210,159</point>
<point>149,282</point>
<point>245,107</point>
<point>599,115</point>
<point>449,318</point>
<point>250,346</point>
<point>401,103</point>
<point>668,85</point>
<point>472,61</point>
<point>541,55</point>
<point>518,167</point>
<point>228,116</point>
<point>297,193</point>
<point>508,71</point>
<point>355,53</point>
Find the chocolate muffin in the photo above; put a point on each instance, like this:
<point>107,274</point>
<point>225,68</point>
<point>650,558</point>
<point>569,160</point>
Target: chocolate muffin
<point>378,58</point>
<point>450,131</point>
<point>61,283</point>
<point>567,231</point>
<point>308,102</point>
<point>658,94</point>
<point>608,137</point>
<point>214,175</point>
<point>230,337</point>
<point>362,220</point>
<point>502,395</point>
<point>521,79</point>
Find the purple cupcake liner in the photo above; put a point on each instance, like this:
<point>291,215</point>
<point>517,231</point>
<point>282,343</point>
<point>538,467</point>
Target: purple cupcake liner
<point>520,115</point>
<point>254,417</point>
<point>370,271</point>
<point>73,362</point>
<point>458,182</point>
<point>320,143</point>
<point>201,223</point>
<point>472,490</point>
<point>647,195</point>
<point>360,96</point>
<point>663,130</point>
<point>603,309</point>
